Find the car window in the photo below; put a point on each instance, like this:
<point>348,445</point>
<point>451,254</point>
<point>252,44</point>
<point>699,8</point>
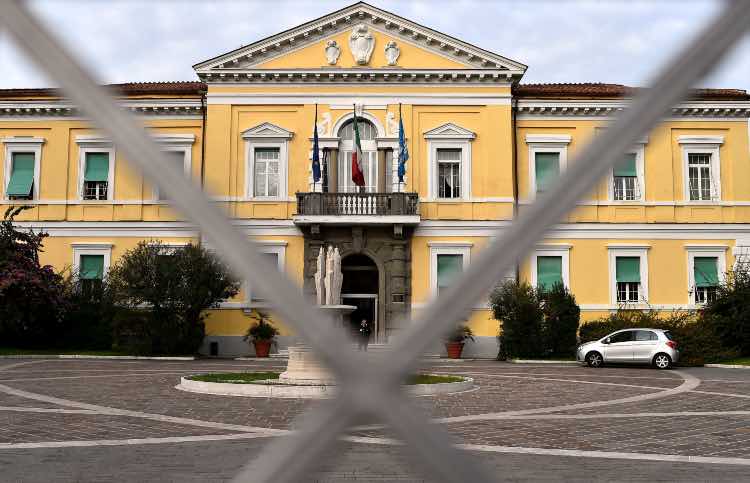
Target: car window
<point>626,336</point>
<point>668,335</point>
<point>644,335</point>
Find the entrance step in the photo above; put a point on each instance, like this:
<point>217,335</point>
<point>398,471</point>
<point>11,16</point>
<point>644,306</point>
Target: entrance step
<point>282,354</point>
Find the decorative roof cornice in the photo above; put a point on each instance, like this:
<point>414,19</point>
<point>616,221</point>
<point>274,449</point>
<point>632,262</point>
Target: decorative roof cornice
<point>52,108</point>
<point>603,109</point>
<point>258,52</point>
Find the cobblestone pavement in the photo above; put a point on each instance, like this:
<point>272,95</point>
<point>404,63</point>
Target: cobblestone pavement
<point>117,420</point>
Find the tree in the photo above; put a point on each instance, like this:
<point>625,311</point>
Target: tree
<point>561,318</point>
<point>518,308</point>
<point>32,296</point>
<point>165,292</point>
<point>729,312</point>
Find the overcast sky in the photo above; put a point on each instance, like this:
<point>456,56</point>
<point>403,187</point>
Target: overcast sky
<point>560,41</point>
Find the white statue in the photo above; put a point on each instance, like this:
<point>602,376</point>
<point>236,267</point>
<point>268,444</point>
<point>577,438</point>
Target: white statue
<point>324,126</point>
<point>338,277</point>
<point>391,125</point>
<point>392,52</point>
<point>319,274</point>
<point>332,52</point>
<point>329,277</point>
<point>361,43</point>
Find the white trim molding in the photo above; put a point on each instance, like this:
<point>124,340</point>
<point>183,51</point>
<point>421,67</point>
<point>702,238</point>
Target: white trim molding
<point>23,144</point>
<point>693,250</point>
<point>545,143</point>
<point>96,144</point>
<point>551,250</point>
<point>623,250</point>
<point>701,144</point>
<point>266,135</point>
<point>462,248</point>
<point>449,136</point>
<point>91,248</point>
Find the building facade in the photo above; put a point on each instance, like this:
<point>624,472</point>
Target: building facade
<point>658,233</point>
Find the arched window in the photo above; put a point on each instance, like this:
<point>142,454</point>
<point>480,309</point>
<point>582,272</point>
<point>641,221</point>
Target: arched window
<point>369,163</point>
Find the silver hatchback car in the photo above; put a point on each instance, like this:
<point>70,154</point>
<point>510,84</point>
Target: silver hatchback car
<point>631,346</point>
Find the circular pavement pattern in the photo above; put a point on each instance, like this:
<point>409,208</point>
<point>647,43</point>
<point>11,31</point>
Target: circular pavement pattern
<point>100,420</point>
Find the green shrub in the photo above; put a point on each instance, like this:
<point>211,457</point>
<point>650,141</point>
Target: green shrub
<point>560,324</point>
<point>698,343</point>
<point>729,313</point>
<point>518,308</point>
<point>88,318</point>
<point>261,329</point>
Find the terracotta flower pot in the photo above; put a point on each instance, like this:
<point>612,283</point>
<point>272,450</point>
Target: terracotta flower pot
<point>262,347</point>
<point>454,349</point>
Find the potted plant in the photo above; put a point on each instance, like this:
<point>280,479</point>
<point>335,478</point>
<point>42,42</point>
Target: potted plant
<point>455,340</point>
<point>262,334</point>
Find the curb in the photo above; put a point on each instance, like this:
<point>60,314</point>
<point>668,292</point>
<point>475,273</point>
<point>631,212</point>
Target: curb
<point>541,361</point>
<point>85,356</point>
<point>727,366</point>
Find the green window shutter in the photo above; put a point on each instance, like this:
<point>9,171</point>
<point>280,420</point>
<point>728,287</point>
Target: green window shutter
<point>705,271</point>
<point>21,175</point>
<point>91,267</point>
<point>448,267</point>
<point>548,272</point>
<point>97,167</point>
<point>626,166</point>
<point>628,269</point>
<point>547,168</point>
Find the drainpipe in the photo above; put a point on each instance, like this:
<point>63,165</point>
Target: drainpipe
<point>514,169</point>
<point>203,147</point>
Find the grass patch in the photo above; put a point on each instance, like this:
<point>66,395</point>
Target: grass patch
<point>10,351</point>
<point>431,379</point>
<point>739,361</point>
<point>235,377</point>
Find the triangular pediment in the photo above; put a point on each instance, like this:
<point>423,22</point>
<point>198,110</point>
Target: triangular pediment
<point>362,37</point>
<point>267,130</point>
<point>450,131</point>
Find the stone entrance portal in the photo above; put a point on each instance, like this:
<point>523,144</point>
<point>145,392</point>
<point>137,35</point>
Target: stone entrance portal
<point>376,262</point>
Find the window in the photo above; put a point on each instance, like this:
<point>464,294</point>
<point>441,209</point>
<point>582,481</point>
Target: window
<point>22,161</point>
<point>548,272</point>
<point>448,268</point>
<point>178,160</point>
<point>275,252</point>
<point>449,173</point>
<point>702,166</point>
<point>96,176</point>
<point>90,264</point>
<point>548,154</point>
<point>449,163</point>
<point>625,336</point>
<point>266,161</point>
<point>448,259</point>
<point>706,269</point>
<point>645,335</point>
<point>550,264</point>
<point>21,184</point>
<point>266,172</point>
<point>369,162</point>
<point>628,274</point>
<point>547,170</point>
<point>625,179</point>
<point>628,279</point>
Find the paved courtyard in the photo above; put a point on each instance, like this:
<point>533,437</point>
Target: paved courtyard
<point>99,420</point>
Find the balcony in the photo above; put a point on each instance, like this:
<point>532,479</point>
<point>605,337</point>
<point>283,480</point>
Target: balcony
<point>357,208</point>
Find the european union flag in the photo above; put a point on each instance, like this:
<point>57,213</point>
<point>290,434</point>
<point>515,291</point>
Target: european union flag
<point>316,151</point>
<point>403,151</point>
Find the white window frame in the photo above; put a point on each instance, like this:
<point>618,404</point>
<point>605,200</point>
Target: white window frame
<point>701,144</point>
<point>95,144</point>
<point>175,143</point>
<point>639,152</point>
<point>447,248</point>
<point>640,251</point>
<point>546,143</point>
<point>266,246</point>
<point>717,251</point>
<point>104,249</point>
<point>562,251</point>
<point>266,135</point>
<point>448,136</point>
<point>23,144</point>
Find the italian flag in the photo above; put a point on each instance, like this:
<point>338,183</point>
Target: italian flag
<point>357,174</point>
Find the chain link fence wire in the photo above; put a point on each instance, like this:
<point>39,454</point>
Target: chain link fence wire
<point>370,385</point>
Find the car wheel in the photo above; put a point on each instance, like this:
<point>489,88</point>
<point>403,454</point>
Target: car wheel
<point>594,359</point>
<point>662,361</point>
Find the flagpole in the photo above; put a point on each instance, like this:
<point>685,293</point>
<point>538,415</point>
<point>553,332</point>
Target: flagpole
<point>315,147</point>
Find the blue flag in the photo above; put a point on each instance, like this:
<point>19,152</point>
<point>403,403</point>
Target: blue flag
<point>316,151</point>
<point>403,151</point>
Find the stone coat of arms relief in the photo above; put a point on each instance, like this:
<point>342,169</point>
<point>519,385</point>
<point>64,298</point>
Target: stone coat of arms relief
<point>361,43</point>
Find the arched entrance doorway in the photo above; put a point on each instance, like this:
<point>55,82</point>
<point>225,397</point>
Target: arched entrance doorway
<point>360,288</point>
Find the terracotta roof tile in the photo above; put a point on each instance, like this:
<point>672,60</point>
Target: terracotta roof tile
<point>602,90</point>
<point>127,89</point>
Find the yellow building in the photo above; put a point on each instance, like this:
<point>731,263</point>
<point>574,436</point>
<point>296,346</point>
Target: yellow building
<point>658,233</point>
